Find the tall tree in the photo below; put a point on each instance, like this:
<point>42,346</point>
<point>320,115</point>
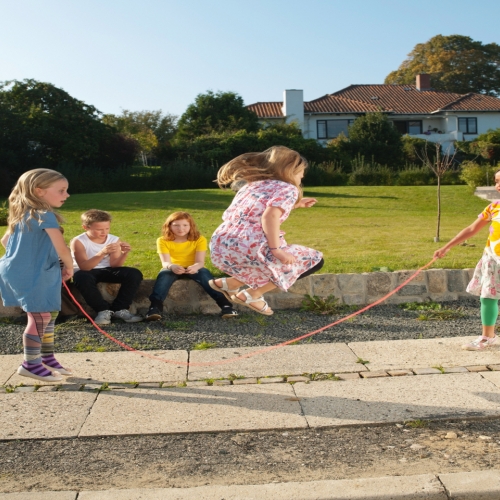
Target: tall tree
<point>216,112</point>
<point>152,130</point>
<point>374,137</point>
<point>456,63</point>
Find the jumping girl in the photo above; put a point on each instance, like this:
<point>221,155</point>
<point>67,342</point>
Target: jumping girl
<point>249,245</point>
<point>30,273</point>
<point>486,279</point>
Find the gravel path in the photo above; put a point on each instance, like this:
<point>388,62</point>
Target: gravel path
<point>385,322</point>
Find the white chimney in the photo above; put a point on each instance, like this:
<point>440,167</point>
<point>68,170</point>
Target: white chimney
<point>293,107</point>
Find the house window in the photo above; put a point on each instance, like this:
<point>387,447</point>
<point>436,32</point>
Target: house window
<point>411,127</point>
<point>329,129</point>
<point>467,125</point>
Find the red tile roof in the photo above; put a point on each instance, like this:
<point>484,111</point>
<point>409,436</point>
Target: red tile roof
<point>267,109</point>
<point>395,99</point>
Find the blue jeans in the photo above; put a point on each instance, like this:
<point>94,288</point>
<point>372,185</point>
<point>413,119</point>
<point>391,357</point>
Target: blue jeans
<point>166,279</point>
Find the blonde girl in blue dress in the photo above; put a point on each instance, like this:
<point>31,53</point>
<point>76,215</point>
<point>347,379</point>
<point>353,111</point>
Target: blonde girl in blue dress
<point>30,272</point>
<point>486,279</point>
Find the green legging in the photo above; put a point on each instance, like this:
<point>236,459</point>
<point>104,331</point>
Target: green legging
<point>489,311</point>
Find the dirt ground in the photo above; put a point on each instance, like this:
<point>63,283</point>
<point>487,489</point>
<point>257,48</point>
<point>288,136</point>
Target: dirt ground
<point>189,460</point>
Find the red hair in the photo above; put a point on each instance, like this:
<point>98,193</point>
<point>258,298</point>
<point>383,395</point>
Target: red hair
<point>168,235</point>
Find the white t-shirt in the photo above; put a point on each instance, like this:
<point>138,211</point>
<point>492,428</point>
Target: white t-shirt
<point>92,249</point>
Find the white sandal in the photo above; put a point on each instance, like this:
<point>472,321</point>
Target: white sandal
<point>224,289</point>
<point>265,310</point>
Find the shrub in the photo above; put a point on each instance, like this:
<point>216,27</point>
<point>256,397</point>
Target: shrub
<point>475,175</point>
<point>326,174</point>
<point>4,214</point>
<point>414,175</point>
<point>370,174</point>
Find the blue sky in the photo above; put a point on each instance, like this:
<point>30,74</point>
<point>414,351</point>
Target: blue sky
<point>159,54</point>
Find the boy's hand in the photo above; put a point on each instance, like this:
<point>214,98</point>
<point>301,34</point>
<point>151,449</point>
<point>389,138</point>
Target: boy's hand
<point>125,247</point>
<point>111,248</point>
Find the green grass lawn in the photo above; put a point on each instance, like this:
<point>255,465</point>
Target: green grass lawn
<point>358,228</point>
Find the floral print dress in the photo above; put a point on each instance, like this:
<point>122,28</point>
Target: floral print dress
<point>239,246</point>
<point>486,279</point>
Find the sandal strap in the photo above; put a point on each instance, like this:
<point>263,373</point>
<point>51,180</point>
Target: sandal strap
<point>225,286</point>
<point>250,299</point>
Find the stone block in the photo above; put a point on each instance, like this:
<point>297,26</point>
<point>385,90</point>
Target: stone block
<point>456,369</point>
<point>221,382</point>
<point>70,387</point>
<point>324,285</point>
<point>197,383</point>
<point>298,378</point>
<point>477,368</point>
<point>402,276</point>
<point>347,376</point>
<point>399,373</point>
<point>25,389</point>
<point>494,368</point>
<point>374,374</point>
<point>427,371</point>
<point>379,284</point>
<point>286,301</point>
<point>302,287</point>
<point>457,280</point>
<point>142,385</point>
<point>351,284</point>
<point>47,388</point>
<point>271,380</point>
<point>410,289</point>
<point>436,280</point>
<point>444,297</point>
<point>244,381</point>
<point>470,273</point>
<point>354,299</point>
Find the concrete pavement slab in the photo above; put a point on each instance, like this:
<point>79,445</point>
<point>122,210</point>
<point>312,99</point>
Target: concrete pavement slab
<point>99,367</point>
<point>194,409</point>
<point>43,415</point>
<point>477,485</point>
<point>9,363</point>
<point>396,399</point>
<point>40,495</point>
<point>493,377</point>
<point>425,486</point>
<point>422,353</point>
<point>288,360</point>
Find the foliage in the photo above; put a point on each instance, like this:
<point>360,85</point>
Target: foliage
<point>42,126</point>
<point>370,174</point>
<point>475,175</point>
<point>152,130</point>
<point>414,149</point>
<point>485,146</point>
<point>420,306</point>
<point>414,175</point>
<point>321,305</point>
<point>4,214</point>
<point>456,63</point>
<point>202,346</point>
<point>373,136</point>
<point>216,112</point>
<point>432,311</point>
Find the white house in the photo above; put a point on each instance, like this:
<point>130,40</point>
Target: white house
<point>417,110</point>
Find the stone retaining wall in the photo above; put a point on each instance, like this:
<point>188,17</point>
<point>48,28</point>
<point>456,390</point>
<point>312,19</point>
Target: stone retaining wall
<point>185,296</point>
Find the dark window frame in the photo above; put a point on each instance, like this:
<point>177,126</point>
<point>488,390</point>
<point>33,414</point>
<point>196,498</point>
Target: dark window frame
<point>468,121</point>
<point>349,121</point>
<point>407,125</point>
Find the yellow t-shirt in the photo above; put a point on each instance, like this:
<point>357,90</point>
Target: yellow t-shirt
<point>492,213</point>
<point>182,254</point>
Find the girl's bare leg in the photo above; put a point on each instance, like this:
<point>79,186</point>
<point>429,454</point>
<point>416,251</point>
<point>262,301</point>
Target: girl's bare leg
<point>489,331</point>
<point>232,283</point>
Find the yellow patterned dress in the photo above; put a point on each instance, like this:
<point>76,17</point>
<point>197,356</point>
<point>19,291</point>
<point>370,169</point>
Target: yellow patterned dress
<point>486,279</point>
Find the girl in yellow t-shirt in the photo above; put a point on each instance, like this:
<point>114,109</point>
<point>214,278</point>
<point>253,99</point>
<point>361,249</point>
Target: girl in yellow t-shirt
<point>182,252</point>
<point>486,279</point>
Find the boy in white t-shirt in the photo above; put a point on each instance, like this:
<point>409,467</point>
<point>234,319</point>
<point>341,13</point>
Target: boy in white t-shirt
<point>98,257</point>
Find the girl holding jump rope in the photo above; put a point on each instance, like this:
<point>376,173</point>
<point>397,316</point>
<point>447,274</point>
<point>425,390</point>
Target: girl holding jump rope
<point>30,272</point>
<point>486,279</point>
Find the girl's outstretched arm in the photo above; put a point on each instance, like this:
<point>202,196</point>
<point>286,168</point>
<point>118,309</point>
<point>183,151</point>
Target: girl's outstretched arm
<point>463,235</point>
<point>5,239</point>
<point>306,203</point>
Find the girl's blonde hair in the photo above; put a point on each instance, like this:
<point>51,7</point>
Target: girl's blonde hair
<point>278,162</point>
<point>23,197</point>
<point>168,235</point>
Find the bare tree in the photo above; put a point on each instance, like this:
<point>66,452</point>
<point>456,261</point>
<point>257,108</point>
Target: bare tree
<point>440,164</point>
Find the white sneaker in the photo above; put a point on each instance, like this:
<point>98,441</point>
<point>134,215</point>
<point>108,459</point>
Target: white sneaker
<point>480,343</point>
<point>127,316</point>
<point>103,318</point>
